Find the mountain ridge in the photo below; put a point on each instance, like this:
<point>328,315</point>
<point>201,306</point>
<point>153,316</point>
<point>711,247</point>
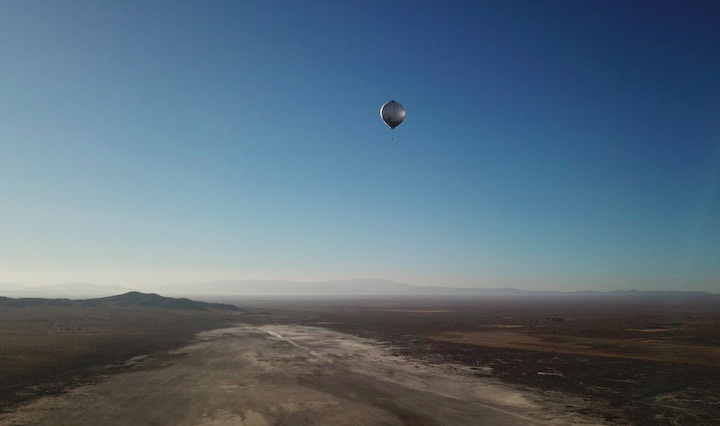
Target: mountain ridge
<point>132,299</point>
<point>356,287</point>
<point>380,287</point>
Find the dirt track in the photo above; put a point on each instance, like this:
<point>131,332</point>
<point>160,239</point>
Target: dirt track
<point>293,375</point>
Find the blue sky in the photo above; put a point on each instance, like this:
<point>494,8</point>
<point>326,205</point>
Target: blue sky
<point>548,144</point>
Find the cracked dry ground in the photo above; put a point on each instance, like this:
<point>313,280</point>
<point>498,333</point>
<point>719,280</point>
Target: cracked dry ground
<point>596,360</point>
<point>631,360</point>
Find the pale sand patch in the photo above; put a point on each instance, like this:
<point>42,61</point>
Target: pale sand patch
<point>294,375</point>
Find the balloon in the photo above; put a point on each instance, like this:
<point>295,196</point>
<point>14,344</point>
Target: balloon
<point>392,113</point>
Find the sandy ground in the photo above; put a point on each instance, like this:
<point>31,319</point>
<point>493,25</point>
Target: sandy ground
<point>293,375</point>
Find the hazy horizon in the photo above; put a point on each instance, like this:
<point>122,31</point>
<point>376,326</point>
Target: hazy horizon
<point>240,287</point>
<point>547,145</point>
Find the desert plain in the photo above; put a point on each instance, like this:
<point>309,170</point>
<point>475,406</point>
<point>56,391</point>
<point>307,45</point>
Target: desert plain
<point>635,359</point>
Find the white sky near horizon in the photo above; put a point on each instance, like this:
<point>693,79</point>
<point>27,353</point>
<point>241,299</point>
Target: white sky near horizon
<point>547,145</point>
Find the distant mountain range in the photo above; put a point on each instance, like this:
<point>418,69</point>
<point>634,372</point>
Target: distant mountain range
<point>131,299</point>
<point>73,290</point>
<point>364,287</point>
<point>372,287</point>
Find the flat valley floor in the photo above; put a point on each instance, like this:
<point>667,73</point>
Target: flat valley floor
<point>292,375</point>
<point>360,361</point>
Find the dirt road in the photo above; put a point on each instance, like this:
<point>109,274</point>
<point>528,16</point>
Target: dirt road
<point>292,375</point>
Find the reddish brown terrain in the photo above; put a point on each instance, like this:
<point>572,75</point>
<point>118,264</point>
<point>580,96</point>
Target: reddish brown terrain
<point>621,360</point>
<point>636,359</point>
<point>48,345</point>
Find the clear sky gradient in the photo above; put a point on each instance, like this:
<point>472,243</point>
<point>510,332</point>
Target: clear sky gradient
<point>557,144</point>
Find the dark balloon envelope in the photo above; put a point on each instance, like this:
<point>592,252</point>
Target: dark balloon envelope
<point>392,113</point>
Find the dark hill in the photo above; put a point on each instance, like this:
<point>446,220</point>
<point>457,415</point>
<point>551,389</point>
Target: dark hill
<point>131,299</point>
